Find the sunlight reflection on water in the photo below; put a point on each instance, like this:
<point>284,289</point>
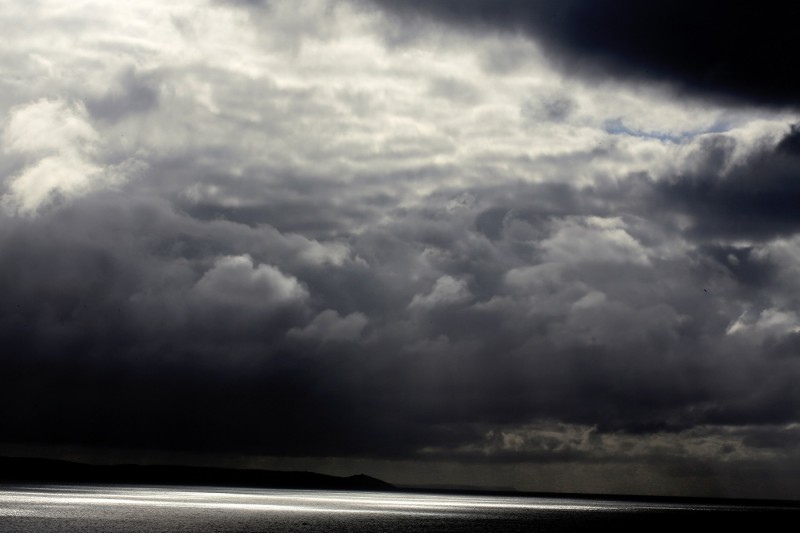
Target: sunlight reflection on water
<point>282,501</point>
<point>90,508</point>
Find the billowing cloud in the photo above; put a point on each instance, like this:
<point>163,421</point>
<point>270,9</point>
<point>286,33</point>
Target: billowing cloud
<point>235,282</point>
<point>601,240</point>
<point>445,291</point>
<point>329,325</point>
<point>55,144</point>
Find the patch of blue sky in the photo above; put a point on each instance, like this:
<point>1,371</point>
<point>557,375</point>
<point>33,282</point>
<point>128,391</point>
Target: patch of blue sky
<point>616,126</point>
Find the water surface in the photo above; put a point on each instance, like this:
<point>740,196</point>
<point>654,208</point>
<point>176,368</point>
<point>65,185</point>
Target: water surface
<point>140,509</point>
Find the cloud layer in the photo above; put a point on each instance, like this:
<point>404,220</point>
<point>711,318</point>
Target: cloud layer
<point>314,230</point>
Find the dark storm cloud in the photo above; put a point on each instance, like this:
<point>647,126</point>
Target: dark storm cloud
<point>130,322</point>
<point>128,336</point>
<point>740,52</point>
<point>755,198</point>
<point>189,321</point>
<point>783,346</point>
<point>742,263</point>
<point>790,144</point>
<point>184,331</point>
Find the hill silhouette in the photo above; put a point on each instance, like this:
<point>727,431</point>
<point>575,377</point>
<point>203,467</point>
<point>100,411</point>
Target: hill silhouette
<point>26,470</point>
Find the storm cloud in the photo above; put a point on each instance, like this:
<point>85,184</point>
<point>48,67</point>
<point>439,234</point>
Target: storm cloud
<point>739,53</point>
<point>314,233</point>
<point>752,198</point>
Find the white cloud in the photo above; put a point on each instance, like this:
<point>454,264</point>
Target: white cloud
<point>593,299</point>
<point>57,145</point>
<point>319,253</point>
<point>768,321</point>
<point>50,179</point>
<point>48,126</point>
<point>330,326</point>
<point>235,281</point>
<point>446,291</point>
<point>594,240</point>
<point>544,277</point>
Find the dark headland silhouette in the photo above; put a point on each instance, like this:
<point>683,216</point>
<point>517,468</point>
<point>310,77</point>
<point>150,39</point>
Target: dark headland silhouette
<point>29,470</point>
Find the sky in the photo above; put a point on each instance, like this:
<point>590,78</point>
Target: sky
<point>550,246</point>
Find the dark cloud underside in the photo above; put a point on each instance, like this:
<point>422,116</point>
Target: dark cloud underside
<point>738,51</point>
<point>755,199</point>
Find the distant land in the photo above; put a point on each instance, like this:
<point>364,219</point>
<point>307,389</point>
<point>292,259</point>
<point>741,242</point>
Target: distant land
<point>30,470</point>
<point>447,487</point>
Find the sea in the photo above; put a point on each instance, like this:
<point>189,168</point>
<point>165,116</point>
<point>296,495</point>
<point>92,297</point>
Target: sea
<point>82,508</point>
